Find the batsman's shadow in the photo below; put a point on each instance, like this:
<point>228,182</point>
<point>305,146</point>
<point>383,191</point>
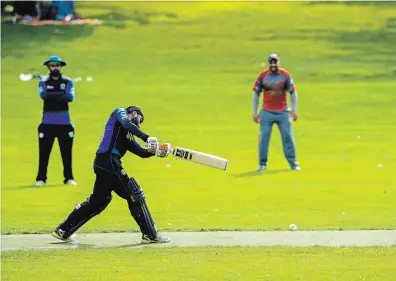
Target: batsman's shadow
<point>78,245</point>
<point>134,245</point>
<point>75,245</point>
<point>254,173</point>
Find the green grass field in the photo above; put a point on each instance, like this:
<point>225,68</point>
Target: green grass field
<point>191,67</point>
<point>238,263</point>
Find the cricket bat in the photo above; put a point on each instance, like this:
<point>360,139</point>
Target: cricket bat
<point>200,157</point>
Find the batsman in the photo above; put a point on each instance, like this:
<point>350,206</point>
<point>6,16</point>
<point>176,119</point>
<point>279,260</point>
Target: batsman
<point>274,82</point>
<point>120,131</point>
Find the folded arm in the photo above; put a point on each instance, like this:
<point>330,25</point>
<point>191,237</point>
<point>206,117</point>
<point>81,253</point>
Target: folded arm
<point>68,96</point>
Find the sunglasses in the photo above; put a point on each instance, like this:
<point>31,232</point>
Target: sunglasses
<point>55,65</point>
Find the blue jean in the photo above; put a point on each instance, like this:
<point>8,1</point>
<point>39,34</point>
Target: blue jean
<point>283,120</point>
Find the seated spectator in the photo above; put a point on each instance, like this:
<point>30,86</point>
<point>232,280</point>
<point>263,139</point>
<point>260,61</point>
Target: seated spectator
<point>47,10</point>
<point>26,10</point>
<point>65,10</point>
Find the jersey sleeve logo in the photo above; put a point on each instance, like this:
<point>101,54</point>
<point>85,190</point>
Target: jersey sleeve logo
<point>129,136</point>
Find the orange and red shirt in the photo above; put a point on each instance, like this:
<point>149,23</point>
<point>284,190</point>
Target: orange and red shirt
<point>274,87</point>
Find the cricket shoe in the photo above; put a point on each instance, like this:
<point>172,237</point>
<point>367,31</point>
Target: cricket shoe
<point>261,168</point>
<point>71,182</point>
<point>296,168</point>
<point>40,183</point>
<point>58,234</point>
<point>158,239</point>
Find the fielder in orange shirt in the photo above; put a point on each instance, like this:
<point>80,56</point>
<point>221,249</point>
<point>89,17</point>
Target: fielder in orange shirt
<point>274,82</point>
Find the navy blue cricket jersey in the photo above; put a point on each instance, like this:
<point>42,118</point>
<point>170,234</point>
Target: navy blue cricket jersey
<point>118,137</point>
<point>56,95</point>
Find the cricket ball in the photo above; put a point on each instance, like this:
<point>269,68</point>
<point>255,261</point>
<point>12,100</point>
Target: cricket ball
<point>293,227</point>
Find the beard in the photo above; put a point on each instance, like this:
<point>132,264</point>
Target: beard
<point>55,73</point>
<point>135,120</point>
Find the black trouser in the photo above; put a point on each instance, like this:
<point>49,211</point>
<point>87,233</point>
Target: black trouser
<point>111,176</point>
<point>47,134</point>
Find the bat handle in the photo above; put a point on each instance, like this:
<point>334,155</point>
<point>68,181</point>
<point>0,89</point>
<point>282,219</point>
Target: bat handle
<point>171,150</point>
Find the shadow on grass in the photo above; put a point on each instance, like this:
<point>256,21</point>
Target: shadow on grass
<point>263,173</point>
<point>354,3</point>
<point>94,246</point>
<point>365,45</point>
<point>113,19</point>
<point>32,186</point>
<point>116,19</point>
<point>117,16</point>
<point>75,245</point>
<point>134,245</point>
<point>17,39</point>
<point>371,45</point>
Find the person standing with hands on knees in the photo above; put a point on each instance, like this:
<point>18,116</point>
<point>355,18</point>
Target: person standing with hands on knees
<point>274,82</point>
<point>57,91</point>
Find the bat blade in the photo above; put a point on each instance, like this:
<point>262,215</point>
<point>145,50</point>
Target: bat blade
<point>199,157</point>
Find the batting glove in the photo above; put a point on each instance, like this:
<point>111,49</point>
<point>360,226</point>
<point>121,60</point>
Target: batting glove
<point>163,150</point>
<point>152,144</point>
